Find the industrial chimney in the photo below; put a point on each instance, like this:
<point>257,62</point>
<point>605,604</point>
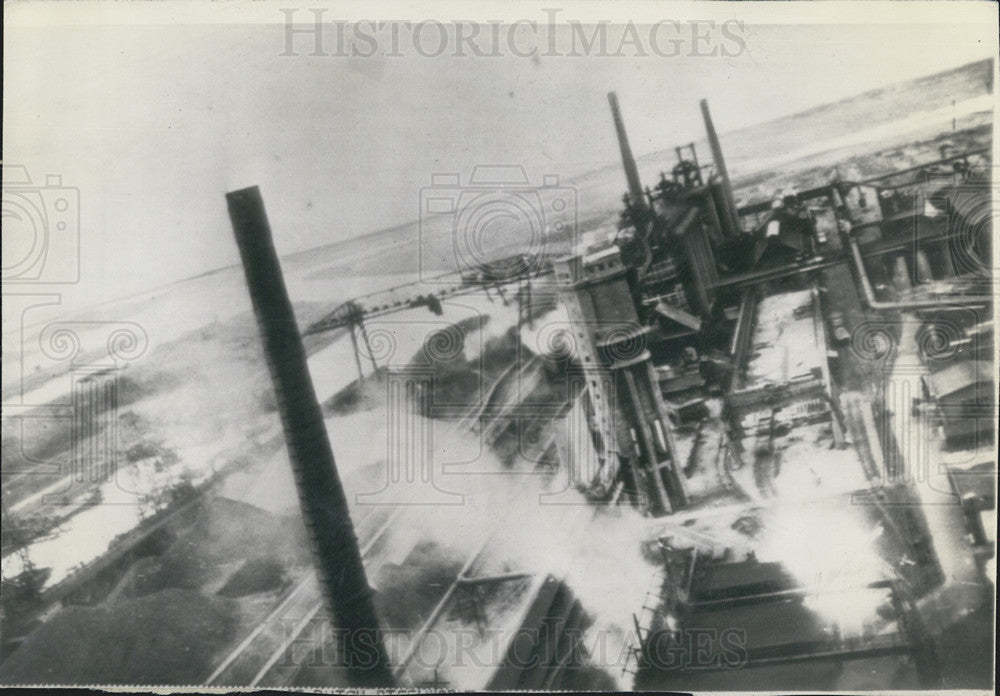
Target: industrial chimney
<point>321,495</point>
<point>728,216</point>
<point>628,161</point>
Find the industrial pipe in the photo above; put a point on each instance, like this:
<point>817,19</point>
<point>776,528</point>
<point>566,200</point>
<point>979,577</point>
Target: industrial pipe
<point>868,292</point>
<point>943,160</point>
<point>321,494</point>
<point>741,335</point>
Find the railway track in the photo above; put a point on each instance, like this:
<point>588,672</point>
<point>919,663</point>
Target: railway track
<point>265,658</point>
<point>257,658</point>
<point>261,659</point>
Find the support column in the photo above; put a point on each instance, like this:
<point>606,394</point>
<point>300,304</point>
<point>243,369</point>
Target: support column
<point>368,347</point>
<point>924,274</point>
<point>650,455</point>
<point>900,274</point>
<point>357,354</point>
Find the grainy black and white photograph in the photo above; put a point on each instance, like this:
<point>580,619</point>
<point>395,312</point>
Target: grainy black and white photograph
<point>435,347</point>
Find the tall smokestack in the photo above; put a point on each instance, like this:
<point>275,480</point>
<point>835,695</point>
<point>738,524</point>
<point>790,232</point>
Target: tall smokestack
<point>720,165</point>
<point>628,161</point>
<point>321,495</point>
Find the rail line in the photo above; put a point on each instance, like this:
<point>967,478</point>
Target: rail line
<point>271,636</point>
<point>257,660</point>
<point>273,674</point>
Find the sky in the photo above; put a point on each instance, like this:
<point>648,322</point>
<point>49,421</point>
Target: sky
<point>154,114</point>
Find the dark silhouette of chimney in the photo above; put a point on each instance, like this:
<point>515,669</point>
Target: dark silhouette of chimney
<point>628,161</point>
<point>321,495</point>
